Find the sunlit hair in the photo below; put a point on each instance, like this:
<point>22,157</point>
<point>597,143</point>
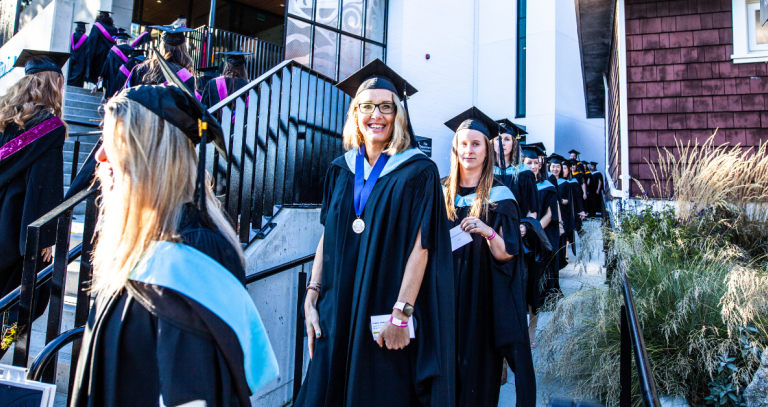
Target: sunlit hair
<point>177,54</point>
<point>399,141</point>
<point>154,168</point>
<point>483,191</point>
<point>29,96</point>
<point>230,71</point>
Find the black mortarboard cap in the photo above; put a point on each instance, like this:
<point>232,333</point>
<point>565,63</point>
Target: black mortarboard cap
<point>104,12</point>
<point>569,162</point>
<point>122,34</point>
<point>593,163</point>
<point>540,146</point>
<point>474,119</point>
<point>574,152</point>
<point>136,52</point>
<point>555,159</point>
<point>376,75</point>
<point>511,128</point>
<point>236,58</point>
<point>34,61</point>
<point>172,35</point>
<point>531,151</point>
<point>209,71</point>
<point>80,26</point>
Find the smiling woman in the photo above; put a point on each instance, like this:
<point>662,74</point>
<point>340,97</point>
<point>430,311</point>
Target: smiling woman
<point>385,241</point>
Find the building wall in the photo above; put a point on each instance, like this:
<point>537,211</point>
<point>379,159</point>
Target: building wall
<point>613,160</point>
<point>681,83</point>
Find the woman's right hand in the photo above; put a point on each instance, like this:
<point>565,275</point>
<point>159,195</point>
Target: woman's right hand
<point>312,320</point>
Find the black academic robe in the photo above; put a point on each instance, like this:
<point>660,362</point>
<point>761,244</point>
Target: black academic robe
<point>568,218</point>
<point>149,340</point>
<point>31,185</point>
<point>578,207</point>
<point>597,198</point>
<point>522,183</point>
<point>211,93</point>
<point>490,300</point>
<point>77,61</point>
<point>111,74</point>
<point>362,274</point>
<point>97,51</point>
<point>139,76</point>
<point>543,283</point>
<point>86,176</point>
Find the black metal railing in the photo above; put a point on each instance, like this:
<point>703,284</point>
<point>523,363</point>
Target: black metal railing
<point>42,362</point>
<point>632,341</point>
<point>203,49</point>
<point>284,129</point>
<point>56,274</point>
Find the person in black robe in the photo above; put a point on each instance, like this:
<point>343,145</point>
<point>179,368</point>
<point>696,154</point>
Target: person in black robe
<point>568,217</point>
<point>233,78</point>
<point>173,49</point>
<point>179,327</point>
<point>387,258</point>
<point>512,172</point>
<point>598,186</point>
<point>77,62</point>
<point>31,165</point>
<point>115,66</point>
<point>590,192</point>
<point>206,75</point>
<point>541,277</point>
<point>577,202</point>
<point>100,40</point>
<point>574,155</point>
<point>581,179</point>
<point>490,302</point>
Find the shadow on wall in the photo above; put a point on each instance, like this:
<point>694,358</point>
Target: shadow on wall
<point>31,11</point>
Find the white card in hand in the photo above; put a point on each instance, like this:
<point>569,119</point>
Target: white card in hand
<point>379,321</point>
<point>459,238</point>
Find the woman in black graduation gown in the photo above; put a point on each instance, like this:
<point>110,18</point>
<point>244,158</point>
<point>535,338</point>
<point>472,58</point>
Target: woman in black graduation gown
<point>541,278</point>
<point>491,315</point>
<point>598,185</point>
<point>578,201</point>
<point>115,65</point>
<point>233,78</point>
<point>173,49</point>
<point>510,170</point>
<point>77,62</point>
<point>172,322</point>
<point>568,217</point>
<point>385,253</point>
<point>100,40</point>
<point>32,137</point>
<point>581,179</point>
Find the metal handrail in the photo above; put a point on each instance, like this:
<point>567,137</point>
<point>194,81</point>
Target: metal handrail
<point>630,325</point>
<point>50,350</point>
<point>260,275</point>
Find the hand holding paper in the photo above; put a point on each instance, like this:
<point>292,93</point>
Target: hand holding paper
<point>459,238</point>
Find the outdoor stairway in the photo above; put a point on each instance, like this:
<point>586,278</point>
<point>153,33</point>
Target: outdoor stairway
<point>80,106</point>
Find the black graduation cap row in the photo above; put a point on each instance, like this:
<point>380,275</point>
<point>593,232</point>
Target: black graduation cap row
<point>236,58</point>
<point>172,34</point>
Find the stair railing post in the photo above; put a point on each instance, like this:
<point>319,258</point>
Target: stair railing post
<point>625,364</point>
<point>298,352</point>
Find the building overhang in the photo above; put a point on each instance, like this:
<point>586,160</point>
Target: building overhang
<point>594,19</point>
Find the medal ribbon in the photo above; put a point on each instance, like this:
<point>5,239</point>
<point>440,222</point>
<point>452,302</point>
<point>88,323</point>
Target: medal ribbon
<point>362,188</point>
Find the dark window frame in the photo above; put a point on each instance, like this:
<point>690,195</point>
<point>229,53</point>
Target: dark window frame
<point>521,74</point>
<point>339,31</point>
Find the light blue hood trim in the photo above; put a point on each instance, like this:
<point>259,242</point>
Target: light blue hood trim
<point>544,184</point>
<point>498,193</point>
<point>392,164</point>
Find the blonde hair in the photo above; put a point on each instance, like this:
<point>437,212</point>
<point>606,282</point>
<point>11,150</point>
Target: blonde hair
<point>29,96</point>
<point>157,166</point>
<point>482,192</point>
<point>398,142</point>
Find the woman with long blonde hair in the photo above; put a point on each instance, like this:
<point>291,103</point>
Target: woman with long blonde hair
<point>379,304</point>
<point>488,269</point>
<point>32,137</point>
<point>172,323</point>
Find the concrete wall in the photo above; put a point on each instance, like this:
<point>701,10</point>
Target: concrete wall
<point>297,233</point>
<point>48,31</point>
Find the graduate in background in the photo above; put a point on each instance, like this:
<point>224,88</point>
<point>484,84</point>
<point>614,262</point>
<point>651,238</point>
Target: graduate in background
<point>114,67</point>
<point>598,187</point>
<point>385,252</point>
<point>172,322</point>
<point>32,137</point>
<point>173,49</point>
<point>490,296</point>
<point>233,77</point>
<point>541,281</point>
<point>588,182</point>
<point>77,62</point>
<point>510,170</point>
<point>206,75</point>
<point>581,179</point>
<point>100,41</point>
<point>578,202</point>
<point>568,220</point>
<point>574,155</point>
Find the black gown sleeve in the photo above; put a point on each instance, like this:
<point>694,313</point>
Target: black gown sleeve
<point>431,207</point>
<point>330,184</point>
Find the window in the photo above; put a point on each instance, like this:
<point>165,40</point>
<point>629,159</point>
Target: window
<point>521,29</point>
<point>336,37</point>
<point>750,39</point>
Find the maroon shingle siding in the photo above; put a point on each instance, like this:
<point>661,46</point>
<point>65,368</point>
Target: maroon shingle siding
<point>682,84</point>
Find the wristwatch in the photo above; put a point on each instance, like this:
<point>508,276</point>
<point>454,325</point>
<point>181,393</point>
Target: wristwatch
<point>406,308</point>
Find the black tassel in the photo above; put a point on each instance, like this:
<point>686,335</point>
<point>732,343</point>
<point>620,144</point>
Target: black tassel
<point>502,164</point>
<point>414,143</point>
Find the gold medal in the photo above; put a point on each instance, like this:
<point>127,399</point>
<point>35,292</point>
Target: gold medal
<point>358,226</point>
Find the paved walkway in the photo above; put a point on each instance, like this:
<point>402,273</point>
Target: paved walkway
<point>572,279</point>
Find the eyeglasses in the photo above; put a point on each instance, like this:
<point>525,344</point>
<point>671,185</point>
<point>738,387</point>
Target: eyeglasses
<point>384,107</point>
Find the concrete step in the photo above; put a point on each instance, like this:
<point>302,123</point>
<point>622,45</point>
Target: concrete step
<point>82,104</point>
<point>76,111</point>
<point>74,128</point>
<point>80,157</point>
<point>78,97</point>
<point>81,91</point>
<point>82,119</point>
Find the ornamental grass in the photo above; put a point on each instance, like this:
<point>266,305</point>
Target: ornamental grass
<point>698,266</point>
